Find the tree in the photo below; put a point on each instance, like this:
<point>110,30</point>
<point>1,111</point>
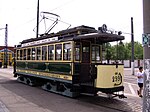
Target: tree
<point>138,50</point>
<point>118,51</point>
<point>108,52</point>
<point>122,51</point>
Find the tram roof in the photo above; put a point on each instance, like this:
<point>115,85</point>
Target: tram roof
<point>71,32</point>
<point>103,37</point>
<point>79,33</point>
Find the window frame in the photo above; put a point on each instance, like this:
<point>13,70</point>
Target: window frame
<point>69,53</point>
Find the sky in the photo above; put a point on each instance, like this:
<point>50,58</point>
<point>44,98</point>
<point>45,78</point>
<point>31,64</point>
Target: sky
<point>20,15</point>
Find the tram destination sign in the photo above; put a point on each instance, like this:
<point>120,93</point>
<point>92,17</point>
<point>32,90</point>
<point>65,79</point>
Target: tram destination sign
<point>43,41</point>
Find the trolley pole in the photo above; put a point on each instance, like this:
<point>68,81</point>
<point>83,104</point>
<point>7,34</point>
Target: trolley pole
<point>5,49</point>
<point>132,44</point>
<point>146,48</point>
<point>37,29</point>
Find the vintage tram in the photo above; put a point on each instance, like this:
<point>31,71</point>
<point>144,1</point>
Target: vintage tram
<point>70,62</point>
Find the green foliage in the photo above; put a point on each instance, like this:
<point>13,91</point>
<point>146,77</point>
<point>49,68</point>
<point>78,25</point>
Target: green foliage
<point>138,51</point>
<point>108,51</point>
<point>122,51</point>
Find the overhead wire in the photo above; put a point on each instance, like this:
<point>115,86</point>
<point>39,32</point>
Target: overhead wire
<point>62,5</point>
<point>45,17</point>
<point>25,23</point>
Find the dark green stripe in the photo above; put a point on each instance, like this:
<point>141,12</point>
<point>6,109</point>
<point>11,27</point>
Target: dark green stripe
<point>20,64</point>
<point>60,67</point>
<point>64,68</point>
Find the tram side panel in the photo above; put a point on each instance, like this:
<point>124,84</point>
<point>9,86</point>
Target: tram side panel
<point>109,78</point>
<point>45,70</point>
<point>54,77</point>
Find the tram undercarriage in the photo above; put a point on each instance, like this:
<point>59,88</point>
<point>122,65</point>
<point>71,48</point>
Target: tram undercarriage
<point>63,88</point>
<point>70,90</point>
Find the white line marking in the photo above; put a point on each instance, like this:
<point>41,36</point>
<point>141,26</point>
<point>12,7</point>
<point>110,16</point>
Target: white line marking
<point>127,94</point>
<point>131,89</point>
<point>130,83</point>
<point>3,107</point>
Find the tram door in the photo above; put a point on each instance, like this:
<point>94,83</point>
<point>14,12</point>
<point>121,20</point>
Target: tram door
<point>85,62</point>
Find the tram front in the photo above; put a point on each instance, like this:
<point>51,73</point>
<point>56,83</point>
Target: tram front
<point>97,75</point>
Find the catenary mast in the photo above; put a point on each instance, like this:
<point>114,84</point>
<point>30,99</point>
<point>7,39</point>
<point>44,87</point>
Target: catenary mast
<point>146,31</point>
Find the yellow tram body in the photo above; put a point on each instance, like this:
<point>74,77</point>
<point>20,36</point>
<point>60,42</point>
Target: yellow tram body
<point>109,76</point>
<point>9,57</point>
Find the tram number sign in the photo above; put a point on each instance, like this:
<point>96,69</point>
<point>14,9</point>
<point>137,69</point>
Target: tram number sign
<point>117,79</point>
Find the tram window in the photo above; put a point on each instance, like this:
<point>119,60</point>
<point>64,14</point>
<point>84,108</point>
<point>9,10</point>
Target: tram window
<point>28,54</point>
<point>58,52</point>
<point>33,53</point>
<point>44,52</point>
<point>21,54</point>
<point>38,51</point>
<point>77,51</point>
<point>17,54</point>
<point>85,49</point>
<point>95,53</point>
<point>67,51</point>
<point>51,52</point>
<point>24,54</point>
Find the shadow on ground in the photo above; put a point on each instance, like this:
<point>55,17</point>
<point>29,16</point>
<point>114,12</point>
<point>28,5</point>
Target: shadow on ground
<point>58,103</point>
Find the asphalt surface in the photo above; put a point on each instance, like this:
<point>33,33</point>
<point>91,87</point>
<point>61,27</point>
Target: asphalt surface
<point>17,97</point>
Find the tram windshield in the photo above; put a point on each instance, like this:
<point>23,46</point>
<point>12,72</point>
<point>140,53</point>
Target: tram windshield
<point>96,53</point>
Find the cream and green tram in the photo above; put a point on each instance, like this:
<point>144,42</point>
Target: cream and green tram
<point>69,62</point>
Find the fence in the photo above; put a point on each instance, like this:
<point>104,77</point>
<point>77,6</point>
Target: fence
<point>137,63</point>
<point>127,63</point>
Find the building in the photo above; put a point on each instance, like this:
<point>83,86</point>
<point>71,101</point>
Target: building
<point>10,55</point>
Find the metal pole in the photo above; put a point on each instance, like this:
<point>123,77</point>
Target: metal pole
<point>146,27</point>
<point>132,43</point>
<point>37,30</point>
<point>5,49</point>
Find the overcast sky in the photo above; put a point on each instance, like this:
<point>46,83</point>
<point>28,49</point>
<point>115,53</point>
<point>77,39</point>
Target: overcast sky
<point>20,15</point>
